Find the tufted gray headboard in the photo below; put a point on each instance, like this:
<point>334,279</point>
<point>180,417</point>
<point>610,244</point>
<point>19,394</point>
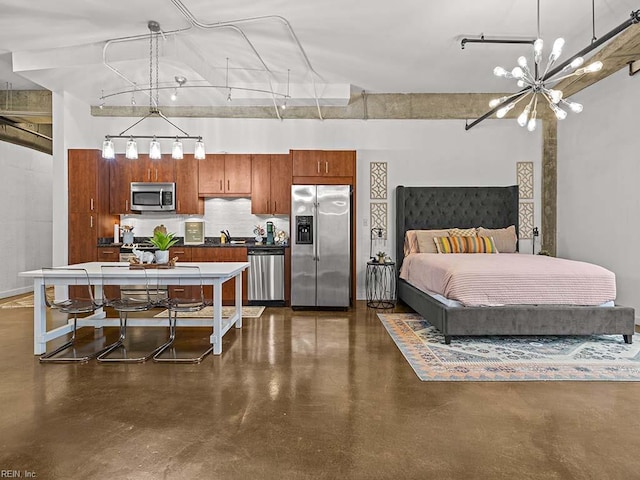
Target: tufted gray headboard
<point>427,208</point>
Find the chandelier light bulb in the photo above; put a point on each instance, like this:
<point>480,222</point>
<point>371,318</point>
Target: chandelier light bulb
<point>154,150</point>
<point>557,49</point>
<point>594,67</point>
<point>560,114</point>
<point>537,49</point>
<point>174,95</point>
<point>108,150</point>
<point>522,61</point>
<point>131,151</point>
<point>532,124</point>
<point>556,95</point>
<point>504,110</point>
<point>517,72</point>
<point>576,62</point>
<point>500,72</point>
<point>176,150</point>
<point>523,117</point>
<point>198,152</point>
<point>496,101</point>
<point>520,83</point>
<point>575,107</point>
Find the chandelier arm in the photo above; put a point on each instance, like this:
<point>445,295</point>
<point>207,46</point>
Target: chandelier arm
<point>633,19</point>
<point>136,123</point>
<point>506,41</point>
<point>161,115</point>
<point>496,108</point>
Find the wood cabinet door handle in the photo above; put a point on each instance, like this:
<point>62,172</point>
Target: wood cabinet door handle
<point>179,252</point>
<point>91,204</point>
<point>108,252</point>
<point>275,206</point>
<point>156,174</point>
<point>228,185</point>
<point>318,166</point>
<point>220,185</point>
<point>91,221</point>
<point>326,167</point>
<point>126,205</point>
<point>178,205</point>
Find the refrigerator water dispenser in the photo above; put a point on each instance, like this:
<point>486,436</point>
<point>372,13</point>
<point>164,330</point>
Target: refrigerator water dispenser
<point>304,229</point>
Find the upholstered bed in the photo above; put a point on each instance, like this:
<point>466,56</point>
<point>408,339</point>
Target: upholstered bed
<point>432,208</point>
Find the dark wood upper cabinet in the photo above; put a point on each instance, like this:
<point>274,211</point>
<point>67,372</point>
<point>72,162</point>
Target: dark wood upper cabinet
<point>271,184</point>
<point>144,169</point>
<point>323,163</point>
<point>120,181</point>
<point>187,200</point>
<point>225,175</point>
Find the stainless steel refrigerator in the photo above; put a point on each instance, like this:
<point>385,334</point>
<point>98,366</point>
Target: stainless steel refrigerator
<point>321,245</point>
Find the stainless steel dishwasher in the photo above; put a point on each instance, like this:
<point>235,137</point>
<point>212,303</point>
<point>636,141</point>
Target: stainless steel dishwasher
<point>266,276</point>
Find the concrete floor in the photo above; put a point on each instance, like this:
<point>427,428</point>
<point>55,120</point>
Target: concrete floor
<point>295,396</point>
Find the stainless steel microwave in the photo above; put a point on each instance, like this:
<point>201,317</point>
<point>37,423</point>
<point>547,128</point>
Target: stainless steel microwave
<point>153,197</point>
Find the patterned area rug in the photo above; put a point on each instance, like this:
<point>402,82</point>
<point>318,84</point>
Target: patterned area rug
<point>247,312</point>
<point>22,302</point>
<point>511,358</point>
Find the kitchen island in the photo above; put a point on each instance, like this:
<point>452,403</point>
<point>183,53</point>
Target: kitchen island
<point>211,273</point>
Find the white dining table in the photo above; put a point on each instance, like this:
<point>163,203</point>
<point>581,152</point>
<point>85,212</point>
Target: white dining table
<point>211,273</point>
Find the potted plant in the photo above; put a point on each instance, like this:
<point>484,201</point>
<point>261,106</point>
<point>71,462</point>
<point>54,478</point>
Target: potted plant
<point>381,256</point>
<point>162,241</point>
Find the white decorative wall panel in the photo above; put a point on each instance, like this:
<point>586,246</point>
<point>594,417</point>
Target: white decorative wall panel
<point>526,220</point>
<point>378,215</point>
<point>525,180</point>
<point>378,180</point>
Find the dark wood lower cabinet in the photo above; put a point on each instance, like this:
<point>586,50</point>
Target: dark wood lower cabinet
<point>223,254</point>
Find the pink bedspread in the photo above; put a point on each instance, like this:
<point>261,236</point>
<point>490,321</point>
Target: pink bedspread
<point>509,279</point>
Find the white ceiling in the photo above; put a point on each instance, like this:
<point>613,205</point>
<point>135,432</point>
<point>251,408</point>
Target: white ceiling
<point>401,46</point>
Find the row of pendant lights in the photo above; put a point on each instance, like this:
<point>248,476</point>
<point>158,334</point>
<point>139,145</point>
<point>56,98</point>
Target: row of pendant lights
<point>155,152</point>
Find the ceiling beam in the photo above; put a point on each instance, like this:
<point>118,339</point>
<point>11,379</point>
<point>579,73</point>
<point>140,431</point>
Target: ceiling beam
<point>388,106</point>
<point>26,119</point>
<point>617,54</point>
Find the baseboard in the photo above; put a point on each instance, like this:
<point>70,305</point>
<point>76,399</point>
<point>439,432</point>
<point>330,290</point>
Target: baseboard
<point>16,291</point>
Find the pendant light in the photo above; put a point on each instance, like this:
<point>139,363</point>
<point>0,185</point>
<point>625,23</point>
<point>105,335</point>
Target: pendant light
<point>132,149</point>
<point>155,152</point>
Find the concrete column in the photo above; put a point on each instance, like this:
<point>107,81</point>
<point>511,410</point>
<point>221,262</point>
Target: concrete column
<point>549,183</point>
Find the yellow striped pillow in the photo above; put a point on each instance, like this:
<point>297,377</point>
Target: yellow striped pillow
<point>450,244</point>
<point>480,245</point>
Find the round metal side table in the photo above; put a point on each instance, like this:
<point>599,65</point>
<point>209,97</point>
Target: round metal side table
<point>380,284</point>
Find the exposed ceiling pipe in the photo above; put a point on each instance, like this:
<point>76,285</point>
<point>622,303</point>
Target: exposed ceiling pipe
<point>195,22</point>
<point>128,39</point>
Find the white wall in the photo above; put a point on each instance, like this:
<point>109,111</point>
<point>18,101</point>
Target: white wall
<point>418,152</point>
<point>598,174</point>
<point>25,215</point>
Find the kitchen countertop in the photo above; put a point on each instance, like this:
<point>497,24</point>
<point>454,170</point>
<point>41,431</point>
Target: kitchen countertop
<point>208,243</point>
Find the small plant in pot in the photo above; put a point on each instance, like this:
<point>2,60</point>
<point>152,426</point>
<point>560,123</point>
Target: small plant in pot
<point>381,256</point>
<point>162,241</point>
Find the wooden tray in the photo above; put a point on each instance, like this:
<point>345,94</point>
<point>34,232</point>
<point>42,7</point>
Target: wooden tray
<point>133,264</point>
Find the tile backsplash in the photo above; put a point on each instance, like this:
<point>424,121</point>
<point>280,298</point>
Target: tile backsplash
<point>233,214</point>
